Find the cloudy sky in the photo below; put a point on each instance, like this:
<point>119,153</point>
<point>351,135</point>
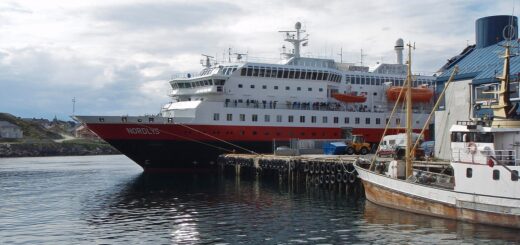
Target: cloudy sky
<point>115,57</point>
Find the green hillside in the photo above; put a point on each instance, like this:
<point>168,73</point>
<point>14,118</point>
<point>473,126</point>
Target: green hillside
<point>31,130</point>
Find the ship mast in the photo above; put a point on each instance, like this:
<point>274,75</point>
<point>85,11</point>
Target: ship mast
<point>296,41</point>
<point>408,155</point>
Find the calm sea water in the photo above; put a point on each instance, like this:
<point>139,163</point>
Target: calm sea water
<point>107,200</point>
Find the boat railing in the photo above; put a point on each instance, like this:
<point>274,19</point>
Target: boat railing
<point>504,157</point>
<point>431,178</point>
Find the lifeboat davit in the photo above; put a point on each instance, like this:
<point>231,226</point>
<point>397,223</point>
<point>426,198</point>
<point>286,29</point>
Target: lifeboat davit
<point>349,98</point>
<point>418,94</point>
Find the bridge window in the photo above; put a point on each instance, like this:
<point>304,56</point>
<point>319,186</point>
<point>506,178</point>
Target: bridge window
<point>496,174</point>
<point>514,175</point>
<point>469,172</point>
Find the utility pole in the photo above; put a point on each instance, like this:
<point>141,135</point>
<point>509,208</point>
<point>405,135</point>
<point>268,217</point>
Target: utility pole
<point>73,105</point>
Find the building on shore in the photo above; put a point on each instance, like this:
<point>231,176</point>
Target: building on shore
<point>85,133</point>
<point>473,89</point>
<point>10,131</point>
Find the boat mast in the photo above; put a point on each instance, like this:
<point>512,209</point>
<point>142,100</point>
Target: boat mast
<point>408,155</point>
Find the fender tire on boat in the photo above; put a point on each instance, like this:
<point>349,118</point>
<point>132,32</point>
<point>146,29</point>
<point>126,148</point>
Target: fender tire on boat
<point>345,177</point>
<point>332,179</point>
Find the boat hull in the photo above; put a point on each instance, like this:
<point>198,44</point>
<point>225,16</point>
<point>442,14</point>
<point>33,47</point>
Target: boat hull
<point>417,203</point>
<point>182,156</point>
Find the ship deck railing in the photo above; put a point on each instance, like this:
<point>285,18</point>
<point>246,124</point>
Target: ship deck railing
<point>316,106</point>
<point>503,157</point>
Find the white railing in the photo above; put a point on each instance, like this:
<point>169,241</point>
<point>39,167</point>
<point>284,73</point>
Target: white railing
<point>504,157</point>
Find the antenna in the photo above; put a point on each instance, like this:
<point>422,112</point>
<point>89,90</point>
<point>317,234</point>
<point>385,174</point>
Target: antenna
<point>73,106</point>
<point>295,40</point>
<point>341,55</point>
<point>362,56</point>
<point>207,62</point>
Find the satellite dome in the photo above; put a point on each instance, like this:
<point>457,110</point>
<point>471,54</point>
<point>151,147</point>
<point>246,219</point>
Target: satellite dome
<point>298,25</point>
<point>399,43</point>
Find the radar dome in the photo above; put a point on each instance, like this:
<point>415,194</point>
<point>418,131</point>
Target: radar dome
<point>298,25</point>
<point>399,43</point>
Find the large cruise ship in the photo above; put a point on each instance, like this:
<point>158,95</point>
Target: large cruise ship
<point>242,106</point>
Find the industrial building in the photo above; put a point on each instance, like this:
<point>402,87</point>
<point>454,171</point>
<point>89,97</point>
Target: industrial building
<point>470,93</point>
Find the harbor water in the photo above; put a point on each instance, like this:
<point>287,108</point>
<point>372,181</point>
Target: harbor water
<point>108,200</point>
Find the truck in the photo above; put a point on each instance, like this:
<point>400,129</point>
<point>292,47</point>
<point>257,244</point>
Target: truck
<point>394,146</point>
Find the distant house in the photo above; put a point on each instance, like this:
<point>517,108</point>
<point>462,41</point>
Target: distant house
<point>84,132</point>
<point>10,131</point>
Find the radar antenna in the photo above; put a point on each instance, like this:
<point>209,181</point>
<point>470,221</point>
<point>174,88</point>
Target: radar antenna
<point>207,61</point>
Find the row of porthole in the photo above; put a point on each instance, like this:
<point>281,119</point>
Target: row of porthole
<point>496,174</point>
<point>266,133</point>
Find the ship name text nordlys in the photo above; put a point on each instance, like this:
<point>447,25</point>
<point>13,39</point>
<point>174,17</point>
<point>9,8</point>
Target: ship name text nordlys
<point>142,131</point>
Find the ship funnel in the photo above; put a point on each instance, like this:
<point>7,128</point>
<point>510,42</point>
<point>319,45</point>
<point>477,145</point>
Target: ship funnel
<point>493,29</point>
<point>399,47</point>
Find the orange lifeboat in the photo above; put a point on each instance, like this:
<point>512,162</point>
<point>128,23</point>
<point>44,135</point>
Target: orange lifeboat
<point>418,94</point>
<point>349,98</point>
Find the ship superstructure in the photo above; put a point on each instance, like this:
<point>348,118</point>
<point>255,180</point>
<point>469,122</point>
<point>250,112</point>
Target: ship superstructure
<point>242,106</point>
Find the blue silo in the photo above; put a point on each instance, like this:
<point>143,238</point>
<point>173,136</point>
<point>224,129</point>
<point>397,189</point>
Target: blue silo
<point>491,29</point>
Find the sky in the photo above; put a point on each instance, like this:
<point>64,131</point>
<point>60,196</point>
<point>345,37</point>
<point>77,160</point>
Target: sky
<point>116,57</point>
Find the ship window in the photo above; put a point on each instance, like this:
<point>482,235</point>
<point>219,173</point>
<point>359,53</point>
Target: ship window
<point>356,120</point>
<point>267,118</point>
<point>367,120</point>
<point>291,74</point>
<point>243,71</point>
<point>325,76</point>
<point>320,76</point>
<point>378,120</point>
<point>262,72</point>
<point>324,119</point>
<point>216,116</point>
<point>255,71</point>
<point>285,73</point>
<point>229,117</point>
<point>287,88</point>
<point>240,85</point>
<point>242,117</point>
<point>336,120</point>
<point>249,71</point>
<point>264,86</point>
<point>302,119</point>
<point>170,120</point>
<point>252,86</point>
<point>299,88</point>
<point>514,175</point>
<point>496,174</point>
<point>124,119</point>
<point>290,118</point>
<point>309,75</point>
<point>314,75</point>
<point>297,74</point>
<point>254,117</point>
<point>138,120</point>
<point>275,87</point>
<point>398,121</point>
<point>278,118</point>
<point>347,120</point>
<point>313,119</point>
<point>268,72</point>
<point>321,89</point>
<point>279,74</point>
<point>150,119</point>
<point>469,172</point>
<point>101,119</point>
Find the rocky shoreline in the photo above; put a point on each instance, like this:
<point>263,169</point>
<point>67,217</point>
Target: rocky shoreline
<point>39,149</point>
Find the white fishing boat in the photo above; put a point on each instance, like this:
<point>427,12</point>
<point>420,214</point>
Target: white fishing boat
<point>483,187</point>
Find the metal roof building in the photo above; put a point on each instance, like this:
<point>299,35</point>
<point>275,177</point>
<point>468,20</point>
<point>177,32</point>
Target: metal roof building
<point>468,95</point>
